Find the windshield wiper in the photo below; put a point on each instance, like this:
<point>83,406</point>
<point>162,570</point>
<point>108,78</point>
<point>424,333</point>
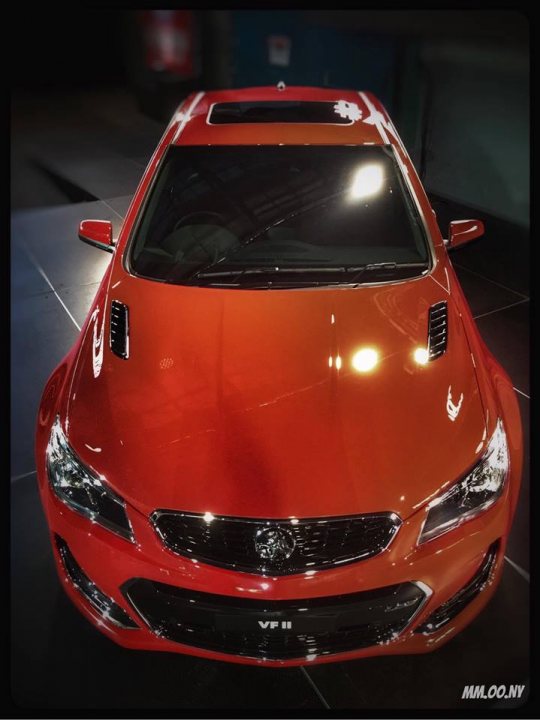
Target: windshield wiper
<point>232,276</point>
<point>260,233</point>
<point>383,267</point>
<point>264,270</point>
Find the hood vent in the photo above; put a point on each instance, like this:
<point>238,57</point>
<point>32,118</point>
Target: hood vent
<point>437,330</point>
<point>119,334</point>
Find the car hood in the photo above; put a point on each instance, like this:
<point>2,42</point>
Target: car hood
<point>246,402</point>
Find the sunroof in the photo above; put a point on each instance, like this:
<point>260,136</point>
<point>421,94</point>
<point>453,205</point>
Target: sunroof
<point>287,111</point>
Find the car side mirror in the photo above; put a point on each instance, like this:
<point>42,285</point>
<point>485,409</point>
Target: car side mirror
<point>97,233</point>
<point>463,231</point>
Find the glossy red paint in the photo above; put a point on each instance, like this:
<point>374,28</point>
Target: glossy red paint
<point>236,409</point>
<point>463,231</point>
<point>98,233</point>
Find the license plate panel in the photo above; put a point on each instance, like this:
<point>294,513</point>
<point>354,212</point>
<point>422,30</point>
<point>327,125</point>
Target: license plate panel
<point>279,624</point>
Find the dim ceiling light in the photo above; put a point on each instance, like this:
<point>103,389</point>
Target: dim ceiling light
<point>365,360</point>
<point>367,181</point>
<point>421,356</point>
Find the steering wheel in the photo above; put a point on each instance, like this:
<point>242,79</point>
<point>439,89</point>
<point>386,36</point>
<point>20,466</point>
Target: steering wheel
<point>208,214</point>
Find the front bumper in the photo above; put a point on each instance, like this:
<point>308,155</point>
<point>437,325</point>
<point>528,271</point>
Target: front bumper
<point>439,569</point>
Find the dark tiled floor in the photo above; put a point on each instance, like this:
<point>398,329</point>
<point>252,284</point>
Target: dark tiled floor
<point>95,140</point>
<point>483,295</point>
<point>86,143</point>
<point>85,666</point>
<point>502,254</point>
<point>436,680</point>
<point>43,335</point>
<point>506,333</point>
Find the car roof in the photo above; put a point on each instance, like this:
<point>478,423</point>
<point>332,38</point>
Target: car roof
<point>367,122</point>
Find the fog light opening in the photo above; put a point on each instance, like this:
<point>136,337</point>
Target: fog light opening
<point>469,592</point>
<point>104,605</point>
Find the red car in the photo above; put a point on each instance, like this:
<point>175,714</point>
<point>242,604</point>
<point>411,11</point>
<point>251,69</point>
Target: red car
<point>279,438</point>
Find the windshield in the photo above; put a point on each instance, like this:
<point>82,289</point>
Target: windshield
<point>279,216</point>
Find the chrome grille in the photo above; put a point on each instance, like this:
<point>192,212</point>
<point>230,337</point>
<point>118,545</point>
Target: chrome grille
<point>276,547</point>
<point>437,330</point>
<point>119,332</point>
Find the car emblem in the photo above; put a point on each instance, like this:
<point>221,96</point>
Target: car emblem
<point>274,543</point>
<point>451,408</point>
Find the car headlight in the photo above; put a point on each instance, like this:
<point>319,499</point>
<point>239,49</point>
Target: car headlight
<point>81,489</point>
<point>475,493</point>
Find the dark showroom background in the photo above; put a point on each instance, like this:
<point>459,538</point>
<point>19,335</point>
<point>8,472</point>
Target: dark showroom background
<point>91,95</point>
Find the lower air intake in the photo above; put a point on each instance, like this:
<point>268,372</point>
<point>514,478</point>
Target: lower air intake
<point>105,606</point>
<point>448,610</point>
<point>275,629</point>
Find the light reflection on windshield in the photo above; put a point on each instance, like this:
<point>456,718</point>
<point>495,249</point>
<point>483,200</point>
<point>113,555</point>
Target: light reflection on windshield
<point>310,214</point>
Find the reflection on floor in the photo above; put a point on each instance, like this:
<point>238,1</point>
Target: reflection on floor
<point>98,147</point>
